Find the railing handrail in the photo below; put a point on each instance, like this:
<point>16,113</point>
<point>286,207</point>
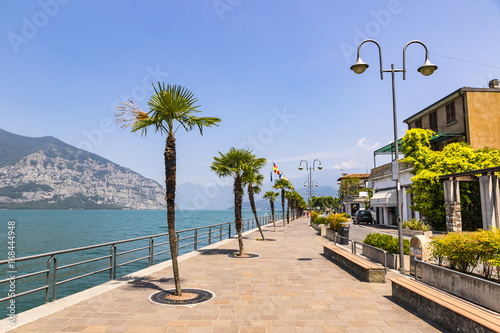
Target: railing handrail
<point>51,274</point>
<point>89,247</point>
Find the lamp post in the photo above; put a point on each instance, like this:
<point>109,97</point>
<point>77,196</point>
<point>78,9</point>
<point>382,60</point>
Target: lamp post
<point>310,179</point>
<point>426,69</point>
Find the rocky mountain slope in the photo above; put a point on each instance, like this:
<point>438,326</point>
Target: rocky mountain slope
<point>46,173</point>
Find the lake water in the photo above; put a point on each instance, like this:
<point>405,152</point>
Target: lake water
<point>42,231</point>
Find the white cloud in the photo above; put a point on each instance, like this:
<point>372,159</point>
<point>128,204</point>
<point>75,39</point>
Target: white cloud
<point>351,164</point>
<point>362,144</point>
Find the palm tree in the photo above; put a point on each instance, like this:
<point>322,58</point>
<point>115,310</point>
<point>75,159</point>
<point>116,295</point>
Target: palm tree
<point>170,107</point>
<point>236,164</point>
<point>282,184</point>
<point>254,181</point>
<point>288,197</point>
<point>296,197</point>
<point>271,195</point>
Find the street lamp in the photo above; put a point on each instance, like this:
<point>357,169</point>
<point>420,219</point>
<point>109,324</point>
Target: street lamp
<point>310,179</point>
<point>426,69</point>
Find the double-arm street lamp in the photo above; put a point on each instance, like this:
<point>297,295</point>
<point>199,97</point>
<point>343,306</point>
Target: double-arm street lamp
<point>310,179</point>
<point>426,69</point>
<point>314,183</point>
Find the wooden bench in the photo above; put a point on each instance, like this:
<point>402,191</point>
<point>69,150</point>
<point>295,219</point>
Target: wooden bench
<point>359,267</point>
<point>449,311</point>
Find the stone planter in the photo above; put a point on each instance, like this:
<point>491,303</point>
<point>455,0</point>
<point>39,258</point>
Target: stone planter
<point>330,235</point>
<point>471,288</point>
<point>408,232</point>
<point>391,259</point>
<point>322,229</point>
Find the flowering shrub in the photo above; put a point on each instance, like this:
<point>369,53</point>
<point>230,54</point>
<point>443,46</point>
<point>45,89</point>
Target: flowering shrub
<point>314,216</point>
<point>464,251</point>
<point>387,242</point>
<point>335,221</point>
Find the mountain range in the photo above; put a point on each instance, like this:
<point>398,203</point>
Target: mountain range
<point>46,173</point>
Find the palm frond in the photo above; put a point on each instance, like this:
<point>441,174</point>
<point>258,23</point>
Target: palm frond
<point>130,115</point>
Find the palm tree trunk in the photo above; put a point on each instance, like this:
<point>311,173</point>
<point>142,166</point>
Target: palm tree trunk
<point>238,198</point>
<point>288,211</point>
<point>283,204</point>
<point>170,179</point>
<point>254,210</point>
<point>272,212</point>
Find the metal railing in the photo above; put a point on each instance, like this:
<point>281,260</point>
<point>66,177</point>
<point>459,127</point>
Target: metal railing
<point>384,252</point>
<point>200,236</point>
<point>354,245</point>
<point>335,236</point>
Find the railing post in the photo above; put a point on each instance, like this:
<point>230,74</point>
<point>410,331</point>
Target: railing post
<point>112,273</point>
<point>151,251</point>
<point>196,239</point>
<point>209,235</point>
<point>51,259</point>
<point>54,279</point>
<point>229,230</point>
<point>220,234</point>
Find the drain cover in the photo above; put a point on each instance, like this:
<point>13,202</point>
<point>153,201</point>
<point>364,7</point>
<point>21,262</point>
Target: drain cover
<point>246,256</point>
<point>167,297</point>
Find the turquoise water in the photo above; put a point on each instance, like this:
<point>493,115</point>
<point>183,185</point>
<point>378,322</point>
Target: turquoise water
<point>42,231</point>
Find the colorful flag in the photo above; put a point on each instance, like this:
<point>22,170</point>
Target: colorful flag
<point>279,173</point>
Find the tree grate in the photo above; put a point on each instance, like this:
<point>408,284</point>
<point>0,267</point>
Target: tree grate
<point>246,256</point>
<point>162,297</point>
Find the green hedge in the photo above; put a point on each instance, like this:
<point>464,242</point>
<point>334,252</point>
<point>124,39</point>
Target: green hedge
<point>387,242</point>
<point>321,220</point>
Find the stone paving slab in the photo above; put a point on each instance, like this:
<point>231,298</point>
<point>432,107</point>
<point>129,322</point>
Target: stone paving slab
<point>291,287</point>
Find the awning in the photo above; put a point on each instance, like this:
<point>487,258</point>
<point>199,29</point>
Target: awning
<point>384,198</point>
<point>437,137</point>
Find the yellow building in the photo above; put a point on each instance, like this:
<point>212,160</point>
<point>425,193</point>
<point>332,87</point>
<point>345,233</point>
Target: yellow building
<point>467,114</point>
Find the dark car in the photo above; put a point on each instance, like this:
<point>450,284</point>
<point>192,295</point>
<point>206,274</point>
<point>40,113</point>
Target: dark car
<point>363,215</point>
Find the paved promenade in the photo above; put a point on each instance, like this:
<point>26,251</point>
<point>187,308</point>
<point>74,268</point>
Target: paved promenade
<point>291,287</point>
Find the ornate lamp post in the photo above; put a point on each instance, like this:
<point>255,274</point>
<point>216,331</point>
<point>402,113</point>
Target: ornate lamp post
<point>426,69</point>
<point>310,180</point>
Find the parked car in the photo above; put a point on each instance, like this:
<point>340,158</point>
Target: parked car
<point>362,215</point>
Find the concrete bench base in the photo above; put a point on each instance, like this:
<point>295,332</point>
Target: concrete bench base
<point>361,268</point>
<point>447,310</point>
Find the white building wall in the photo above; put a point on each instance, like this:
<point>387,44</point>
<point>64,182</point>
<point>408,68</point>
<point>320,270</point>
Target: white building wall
<point>384,182</point>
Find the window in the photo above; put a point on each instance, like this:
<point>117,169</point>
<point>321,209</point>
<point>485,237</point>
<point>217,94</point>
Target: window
<point>433,121</point>
<point>418,123</point>
<point>450,113</point>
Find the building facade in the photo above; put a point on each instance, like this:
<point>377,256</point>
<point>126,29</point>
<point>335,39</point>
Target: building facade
<point>470,115</point>
<point>383,201</point>
<point>351,199</point>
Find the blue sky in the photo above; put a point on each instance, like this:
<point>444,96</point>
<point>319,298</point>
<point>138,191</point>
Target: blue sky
<point>276,73</point>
